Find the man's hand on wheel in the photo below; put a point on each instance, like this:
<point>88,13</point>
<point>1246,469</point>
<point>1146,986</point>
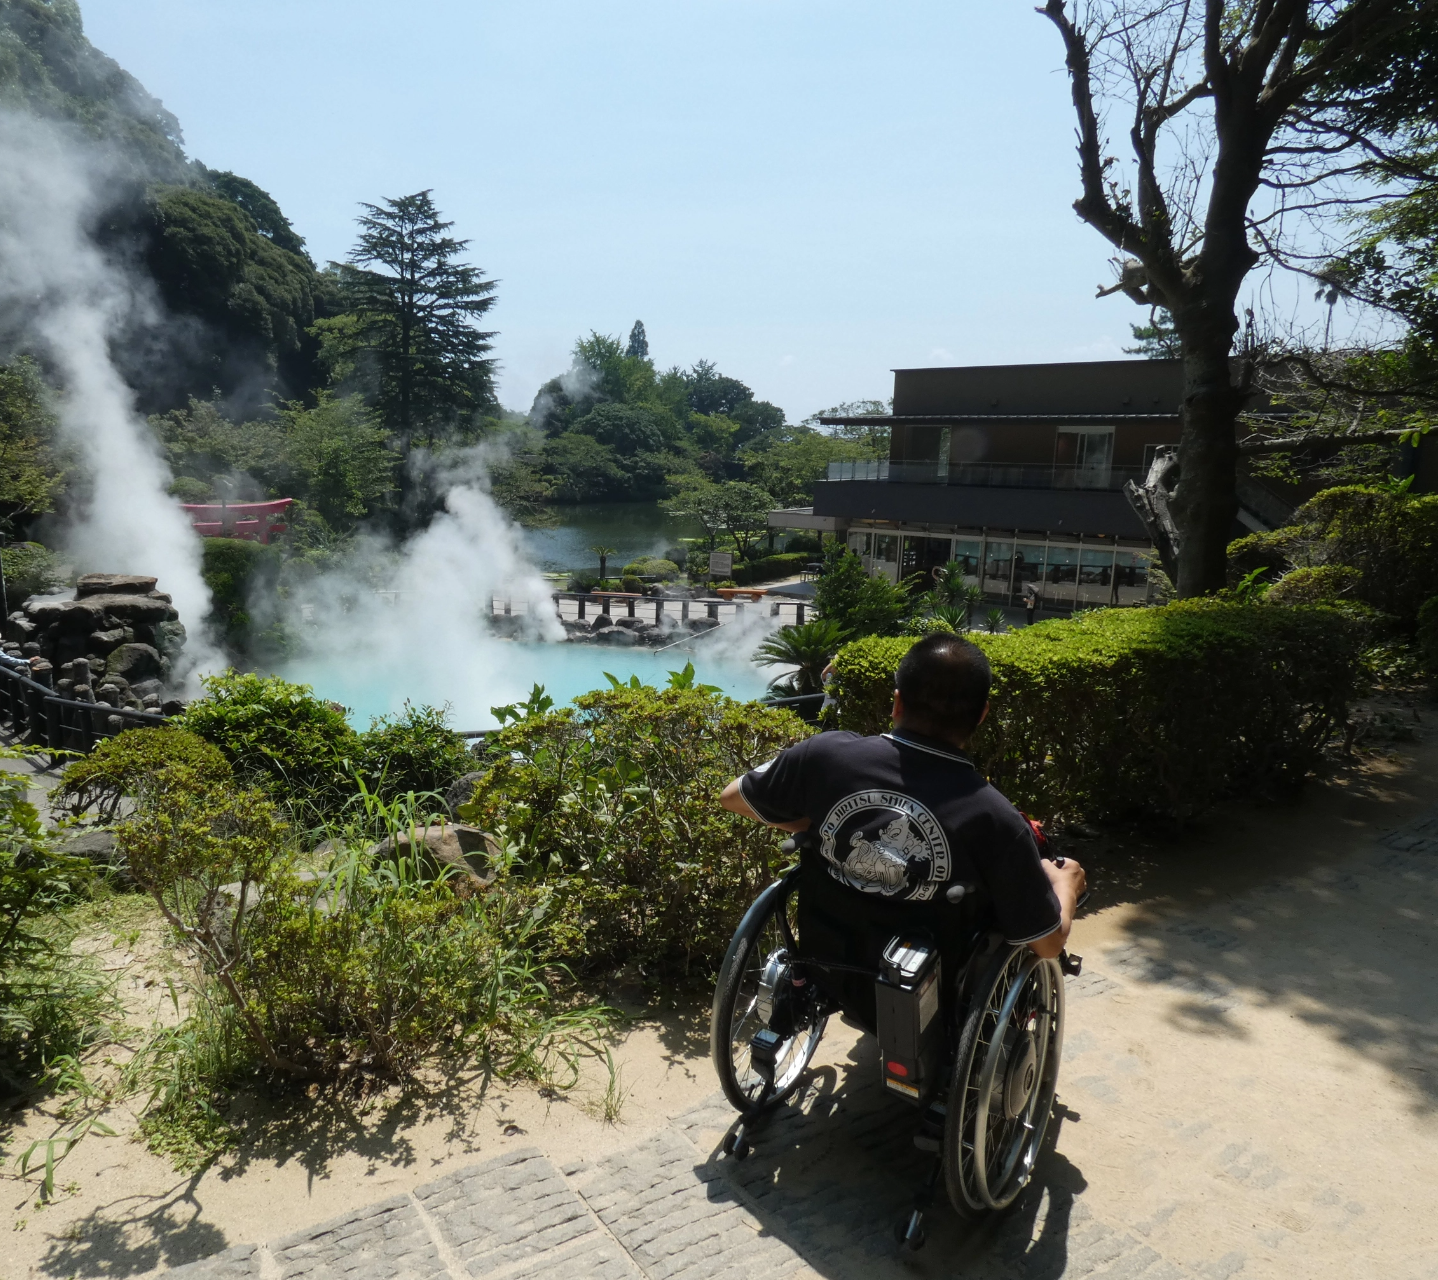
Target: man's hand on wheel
<point>1068,880</point>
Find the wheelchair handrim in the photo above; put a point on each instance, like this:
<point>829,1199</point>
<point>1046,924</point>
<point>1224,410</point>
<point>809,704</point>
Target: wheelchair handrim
<point>1018,1147</point>
<point>798,1049</point>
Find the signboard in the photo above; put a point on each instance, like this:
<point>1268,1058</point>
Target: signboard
<point>721,564</point>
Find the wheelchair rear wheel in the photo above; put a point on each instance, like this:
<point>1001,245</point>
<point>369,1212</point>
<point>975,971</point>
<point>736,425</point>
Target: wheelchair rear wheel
<point>1004,1079</point>
<point>757,990</point>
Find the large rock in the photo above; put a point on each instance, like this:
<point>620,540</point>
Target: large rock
<point>67,615</point>
<point>99,584</point>
<point>170,637</point>
<point>616,635</point>
<point>461,791</point>
<point>102,642</point>
<point>100,848</point>
<point>131,609</point>
<point>446,845</point>
<point>135,662</point>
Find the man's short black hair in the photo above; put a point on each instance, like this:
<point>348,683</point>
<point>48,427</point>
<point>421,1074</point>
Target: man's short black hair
<point>945,683</point>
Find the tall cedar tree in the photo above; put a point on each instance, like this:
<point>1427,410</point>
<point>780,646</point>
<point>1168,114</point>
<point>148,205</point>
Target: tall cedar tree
<point>417,308</point>
<point>1248,123</point>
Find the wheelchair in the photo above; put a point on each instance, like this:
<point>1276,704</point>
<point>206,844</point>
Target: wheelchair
<point>970,1028</point>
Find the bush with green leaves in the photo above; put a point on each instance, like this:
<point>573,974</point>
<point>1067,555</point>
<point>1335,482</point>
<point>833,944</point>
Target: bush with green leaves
<point>29,569</point>
<point>279,737</point>
<point>807,647</point>
<point>99,783</point>
<point>1121,711</point>
<point>615,803</point>
<point>52,1002</point>
<point>1427,636</point>
<point>862,605</point>
<point>415,751</point>
<point>242,577</point>
<point>652,567</point>
<point>365,966</point>
<point>769,568</point>
<point>1387,536</point>
<point>1318,584</point>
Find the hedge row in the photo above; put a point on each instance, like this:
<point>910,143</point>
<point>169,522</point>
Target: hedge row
<point>785,565</point>
<point>1130,710</point>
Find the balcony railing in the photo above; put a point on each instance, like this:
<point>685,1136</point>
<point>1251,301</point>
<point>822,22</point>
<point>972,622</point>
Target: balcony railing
<point>995,474</point>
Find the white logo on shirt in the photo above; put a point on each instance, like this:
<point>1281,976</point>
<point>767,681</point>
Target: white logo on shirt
<point>887,843</point>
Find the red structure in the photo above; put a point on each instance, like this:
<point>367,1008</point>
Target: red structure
<point>253,521</point>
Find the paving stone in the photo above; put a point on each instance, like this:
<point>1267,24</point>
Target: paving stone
<point>518,1209</point>
<point>239,1263</point>
<point>387,1240</point>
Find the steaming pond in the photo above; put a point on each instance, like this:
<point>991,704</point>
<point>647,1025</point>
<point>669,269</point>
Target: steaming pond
<point>374,686</point>
<point>634,529</point>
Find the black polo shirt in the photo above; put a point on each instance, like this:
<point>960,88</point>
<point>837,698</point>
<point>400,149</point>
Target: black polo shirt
<point>901,816</point>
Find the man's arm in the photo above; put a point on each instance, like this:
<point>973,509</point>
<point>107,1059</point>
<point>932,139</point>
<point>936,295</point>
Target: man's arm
<point>1068,880</point>
<point>733,800</point>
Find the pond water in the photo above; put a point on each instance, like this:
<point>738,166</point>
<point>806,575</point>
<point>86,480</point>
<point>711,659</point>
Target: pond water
<point>633,528</point>
<point>376,685</point>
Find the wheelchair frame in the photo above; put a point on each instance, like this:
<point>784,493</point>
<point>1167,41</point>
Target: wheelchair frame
<point>1003,1030</point>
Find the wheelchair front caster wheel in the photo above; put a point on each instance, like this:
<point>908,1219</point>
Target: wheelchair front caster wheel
<point>736,1144</point>
<point>909,1232</point>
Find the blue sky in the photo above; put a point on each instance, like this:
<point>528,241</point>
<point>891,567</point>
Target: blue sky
<point>809,194</point>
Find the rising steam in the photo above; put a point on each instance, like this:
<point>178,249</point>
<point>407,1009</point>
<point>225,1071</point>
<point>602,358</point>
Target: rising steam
<point>68,298</point>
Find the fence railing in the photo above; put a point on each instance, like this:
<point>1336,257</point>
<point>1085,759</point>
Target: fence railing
<point>41,718</point>
<point>577,606</point>
<point>988,474</point>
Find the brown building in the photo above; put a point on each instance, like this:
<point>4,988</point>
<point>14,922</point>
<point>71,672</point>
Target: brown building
<point>1015,470</point>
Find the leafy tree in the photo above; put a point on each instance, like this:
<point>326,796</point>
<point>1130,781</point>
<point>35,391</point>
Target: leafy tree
<point>264,212</point>
<point>746,514</point>
<point>638,348</point>
<point>626,428</point>
<point>1250,120</point>
<point>1156,340</point>
<point>789,464</point>
<point>31,476</point>
<point>861,605</point>
<point>703,502</point>
<point>337,454</point>
<point>603,552</point>
<point>580,469</point>
<point>873,436</point>
<point>710,392</point>
<point>414,336</point>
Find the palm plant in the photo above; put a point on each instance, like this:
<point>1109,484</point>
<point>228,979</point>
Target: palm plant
<point>603,553</point>
<point>808,648</point>
<point>949,585</point>
<point>971,598</point>
<point>994,620</point>
<point>955,615</point>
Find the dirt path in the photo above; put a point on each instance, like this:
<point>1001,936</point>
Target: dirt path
<point>1250,1087</point>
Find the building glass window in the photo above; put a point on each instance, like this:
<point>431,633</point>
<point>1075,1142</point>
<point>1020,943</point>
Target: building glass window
<point>998,565</point>
<point>861,544</point>
<point>1130,572</point>
<point>1082,459</point>
<point>1095,575</point>
<point>924,555</point>
<point>967,551</point>
<point>1061,572</point>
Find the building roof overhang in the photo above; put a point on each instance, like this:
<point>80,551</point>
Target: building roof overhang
<point>941,419</point>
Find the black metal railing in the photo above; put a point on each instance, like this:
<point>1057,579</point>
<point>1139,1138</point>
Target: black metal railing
<point>1002,475</point>
<point>41,718</point>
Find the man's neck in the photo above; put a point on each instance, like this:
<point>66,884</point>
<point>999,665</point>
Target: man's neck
<point>905,729</point>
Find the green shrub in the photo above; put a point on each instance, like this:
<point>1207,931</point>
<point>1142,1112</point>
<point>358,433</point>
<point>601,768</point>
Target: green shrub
<point>696,564</point>
<point>1388,538</point>
<point>1322,584</point>
<point>368,968</point>
<point>860,604</point>
<point>582,581</point>
<point>119,766</point>
<point>241,576</point>
<point>1427,637</point>
<point>770,567</point>
<point>52,1002</point>
<point>930,624</point>
<point>808,648</point>
<point>615,802</point>
<point>808,543</point>
<point>279,737</point>
<point>1126,710</point>
<point>652,567</point>
<point>29,570</point>
<point>630,583</point>
<point>415,751</point>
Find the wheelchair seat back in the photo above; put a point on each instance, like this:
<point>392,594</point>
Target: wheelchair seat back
<point>842,926</point>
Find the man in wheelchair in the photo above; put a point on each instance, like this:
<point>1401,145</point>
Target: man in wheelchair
<point>919,890</point>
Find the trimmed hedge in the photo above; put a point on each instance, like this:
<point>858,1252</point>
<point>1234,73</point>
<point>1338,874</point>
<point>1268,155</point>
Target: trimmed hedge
<point>1428,636</point>
<point>1127,710</point>
<point>785,565</point>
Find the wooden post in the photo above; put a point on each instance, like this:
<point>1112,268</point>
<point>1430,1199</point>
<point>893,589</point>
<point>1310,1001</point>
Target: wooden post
<point>507,606</point>
<point>583,600</point>
<point>631,606</point>
<point>799,614</point>
<point>684,610</point>
<point>712,610</point>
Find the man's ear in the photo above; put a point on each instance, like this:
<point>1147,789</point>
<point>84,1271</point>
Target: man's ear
<point>897,713</point>
<point>983,715</point>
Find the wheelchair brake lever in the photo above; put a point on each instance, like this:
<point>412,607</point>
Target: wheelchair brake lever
<point>1071,965</point>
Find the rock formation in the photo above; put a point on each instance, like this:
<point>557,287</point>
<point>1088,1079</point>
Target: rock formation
<point>115,642</point>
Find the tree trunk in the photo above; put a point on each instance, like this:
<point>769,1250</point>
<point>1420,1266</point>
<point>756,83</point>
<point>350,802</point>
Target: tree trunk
<point>1205,503</point>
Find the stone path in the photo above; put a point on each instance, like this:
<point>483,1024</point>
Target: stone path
<point>832,1173</point>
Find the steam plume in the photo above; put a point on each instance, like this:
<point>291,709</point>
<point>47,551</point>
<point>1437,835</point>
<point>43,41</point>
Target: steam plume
<point>73,302</point>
